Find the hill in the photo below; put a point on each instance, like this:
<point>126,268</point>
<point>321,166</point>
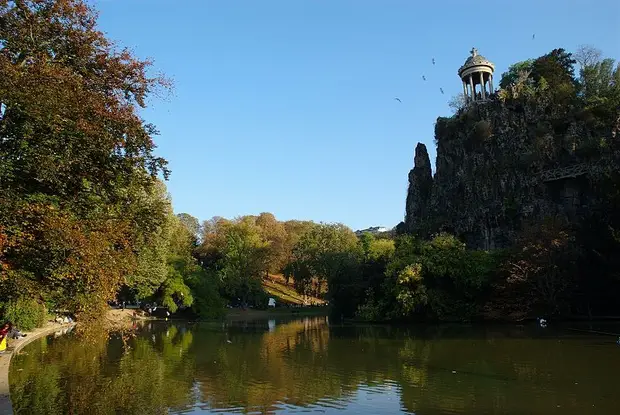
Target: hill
<point>276,287</point>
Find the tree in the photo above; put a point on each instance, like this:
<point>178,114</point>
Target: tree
<point>314,251</point>
<point>274,234</point>
<point>587,55</point>
<point>557,70</point>
<point>191,223</point>
<point>242,260</point>
<point>516,72</point>
<point>458,102</point>
<point>153,248</point>
<point>187,283</point>
<point>77,159</point>
<point>294,230</point>
<point>212,242</point>
<point>381,250</point>
<point>544,263</point>
<point>600,82</point>
<point>63,83</point>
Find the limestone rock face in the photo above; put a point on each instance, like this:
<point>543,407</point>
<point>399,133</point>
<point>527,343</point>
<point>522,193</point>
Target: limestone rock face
<point>491,170</point>
<point>418,196</point>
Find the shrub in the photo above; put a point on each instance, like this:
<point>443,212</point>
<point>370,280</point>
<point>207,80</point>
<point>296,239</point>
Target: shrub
<point>25,314</point>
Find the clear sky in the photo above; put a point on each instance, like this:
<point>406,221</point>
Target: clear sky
<point>288,106</point>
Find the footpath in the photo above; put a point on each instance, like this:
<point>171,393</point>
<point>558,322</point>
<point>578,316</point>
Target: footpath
<point>14,346</point>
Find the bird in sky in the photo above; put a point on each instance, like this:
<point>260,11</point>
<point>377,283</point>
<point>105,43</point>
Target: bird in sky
<point>533,36</point>
<point>433,61</point>
<point>441,89</point>
<point>398,99</point>
<point>423,77</point>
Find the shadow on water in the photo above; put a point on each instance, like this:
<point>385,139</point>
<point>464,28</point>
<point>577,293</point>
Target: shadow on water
<point>279,366</point>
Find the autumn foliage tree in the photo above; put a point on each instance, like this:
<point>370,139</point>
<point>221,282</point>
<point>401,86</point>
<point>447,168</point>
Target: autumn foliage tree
<point>540,272</point>
<point>76,158</point>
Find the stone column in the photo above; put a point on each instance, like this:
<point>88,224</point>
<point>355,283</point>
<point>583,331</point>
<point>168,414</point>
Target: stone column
<point>482,89</point>
<point>490,83</point>
<point>465,90</point>
<point>471,85</point>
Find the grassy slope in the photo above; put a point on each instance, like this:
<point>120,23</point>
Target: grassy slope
<point>284,293</point>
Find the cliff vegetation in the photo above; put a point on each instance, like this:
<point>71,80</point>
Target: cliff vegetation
<point>532,172</point>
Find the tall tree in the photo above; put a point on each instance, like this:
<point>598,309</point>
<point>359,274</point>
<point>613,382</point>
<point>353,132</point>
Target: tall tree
<point>242,261</point>
<point>191,223</point>
<point>274,234</point>
<point>76,156</point>
<point>557,70</point>
<point>152,248</point>
<point>315,252</point>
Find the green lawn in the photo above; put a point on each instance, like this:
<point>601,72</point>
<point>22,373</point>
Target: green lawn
<point>285,294</point>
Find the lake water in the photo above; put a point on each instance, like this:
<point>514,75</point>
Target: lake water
<point>308,366</point>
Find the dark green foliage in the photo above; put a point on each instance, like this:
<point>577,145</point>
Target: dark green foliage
<point>515,71</point>
<point>482,131</point>
<point>25,314</point>
<point>558,235</point>
<point>557,69</point>
<point>437,279</point>
<point>208,304</point>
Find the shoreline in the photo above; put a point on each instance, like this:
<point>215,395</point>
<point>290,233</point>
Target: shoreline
<point>237,314</point>
<point>13,347</point>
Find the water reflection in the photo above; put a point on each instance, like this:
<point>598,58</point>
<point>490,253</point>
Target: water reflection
<point>276,367</point>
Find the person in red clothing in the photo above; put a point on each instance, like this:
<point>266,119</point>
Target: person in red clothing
<point>4,331</point>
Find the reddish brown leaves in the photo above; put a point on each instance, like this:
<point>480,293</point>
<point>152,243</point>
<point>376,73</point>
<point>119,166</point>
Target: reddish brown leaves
<point>75,154</point>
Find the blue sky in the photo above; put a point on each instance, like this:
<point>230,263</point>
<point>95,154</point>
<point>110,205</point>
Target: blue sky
<point>288,106</point>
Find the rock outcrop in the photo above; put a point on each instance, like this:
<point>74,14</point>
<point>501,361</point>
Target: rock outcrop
<point>418,197</point>
<point>499,164</point>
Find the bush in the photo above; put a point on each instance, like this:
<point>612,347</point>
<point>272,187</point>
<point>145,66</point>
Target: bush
<point>25,314</point>
<point>440,279</point>
<point>208,304</point>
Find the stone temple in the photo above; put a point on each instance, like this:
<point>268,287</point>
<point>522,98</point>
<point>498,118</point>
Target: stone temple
<point>477,76</point>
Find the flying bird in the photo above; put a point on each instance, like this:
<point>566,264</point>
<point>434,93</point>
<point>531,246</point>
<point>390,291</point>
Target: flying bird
<point>441,89</point>
<point>423,77</point>
<point>433,61</point>
<point>533,36</point>
<point>398,99</point>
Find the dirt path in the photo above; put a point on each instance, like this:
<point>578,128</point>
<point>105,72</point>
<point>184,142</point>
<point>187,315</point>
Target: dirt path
<point>15,346</point>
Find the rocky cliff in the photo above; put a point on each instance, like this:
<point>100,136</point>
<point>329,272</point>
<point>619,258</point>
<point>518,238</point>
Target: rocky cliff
<point>502,162</point>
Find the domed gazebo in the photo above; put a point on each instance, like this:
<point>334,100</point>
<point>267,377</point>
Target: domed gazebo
<point>477,70</point>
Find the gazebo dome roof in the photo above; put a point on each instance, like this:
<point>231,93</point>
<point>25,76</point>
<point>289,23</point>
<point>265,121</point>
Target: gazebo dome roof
<point>476,60</point>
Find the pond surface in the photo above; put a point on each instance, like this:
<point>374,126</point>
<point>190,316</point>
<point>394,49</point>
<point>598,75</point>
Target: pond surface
<point>306,366</point>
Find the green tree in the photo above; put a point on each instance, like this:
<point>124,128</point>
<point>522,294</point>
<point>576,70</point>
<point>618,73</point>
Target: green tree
<point>557,70</point>
<point>212,242</point>
<point>243,259</point>
<point>294,230</point>
<point>77,158</point>
<point>274,234</point>
<point>152,247</point>
<point>191,223</point>
<point>516,72</point>
<point>311,252</point>
<point>439,278</point>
